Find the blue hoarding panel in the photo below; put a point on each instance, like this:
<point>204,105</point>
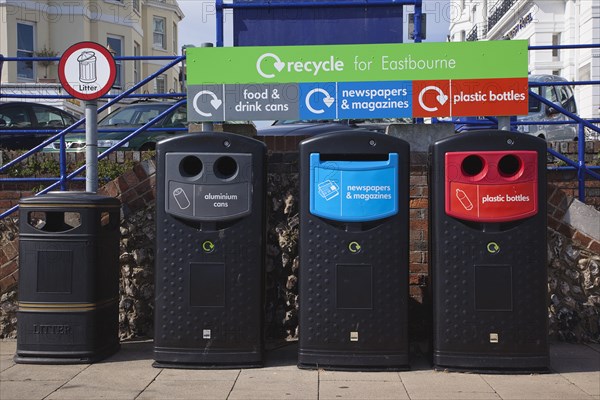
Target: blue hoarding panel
<point>354,191</point>
<point>316,25</point>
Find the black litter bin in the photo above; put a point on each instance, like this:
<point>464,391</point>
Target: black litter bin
<point>353,251</point>
<point>68,278</point>
<point>210,251</point>
<point>488,252</point>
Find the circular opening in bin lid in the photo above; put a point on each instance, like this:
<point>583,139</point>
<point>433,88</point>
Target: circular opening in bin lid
<point>190,166</point>
<point>225,167</point>
<point>472,165</point>
<point>509,166</point>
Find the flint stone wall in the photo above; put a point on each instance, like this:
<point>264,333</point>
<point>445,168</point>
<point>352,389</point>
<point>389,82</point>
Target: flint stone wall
<point>574,261</point>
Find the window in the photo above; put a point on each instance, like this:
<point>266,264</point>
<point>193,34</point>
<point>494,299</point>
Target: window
<point>25,47</point>
<point>567,100</point>
<point>174,38</point>
<point>159,33</point>
<point>116,45</point>
<point>49,118</point>
<point>178,119</point>
<point>136,6</point>
<point>160,84</point>
<point>534,104</point>
<point>137,64</point>
<point>14,117</point>
<point>585,72</point>
<point>551,94</point>
<point>555,42</point>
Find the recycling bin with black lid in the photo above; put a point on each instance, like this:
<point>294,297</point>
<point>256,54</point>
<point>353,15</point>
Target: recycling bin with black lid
<point>68,278</point>
<point>353,281</point>
<point>210,239</point>
<point>488,252</point>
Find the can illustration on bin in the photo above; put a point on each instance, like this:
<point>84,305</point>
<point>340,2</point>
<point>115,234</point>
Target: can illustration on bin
<point>353,279</point>
<point>488,252</point>
<point>210,251</point>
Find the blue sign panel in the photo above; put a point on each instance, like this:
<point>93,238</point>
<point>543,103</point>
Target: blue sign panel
<point>317,101</point>
<point>375,99</point>
<point>316,25</point>
<point>354,191</point>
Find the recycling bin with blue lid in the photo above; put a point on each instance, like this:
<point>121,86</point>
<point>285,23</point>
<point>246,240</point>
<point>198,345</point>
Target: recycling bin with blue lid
<point>353,282</point>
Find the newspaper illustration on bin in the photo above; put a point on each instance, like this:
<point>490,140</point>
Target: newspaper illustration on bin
<point>329,189</point>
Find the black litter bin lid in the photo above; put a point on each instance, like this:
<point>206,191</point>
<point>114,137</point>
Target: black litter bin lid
<point>70,199</point>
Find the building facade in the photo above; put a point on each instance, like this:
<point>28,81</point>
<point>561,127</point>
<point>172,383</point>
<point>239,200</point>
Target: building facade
<point>127,27</point>
<point>541,22</point>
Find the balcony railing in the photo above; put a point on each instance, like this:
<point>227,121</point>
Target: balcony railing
<point>499,11</point>
<point>472,35</point>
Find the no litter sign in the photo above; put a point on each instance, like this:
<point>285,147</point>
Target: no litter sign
<point>87,70</point>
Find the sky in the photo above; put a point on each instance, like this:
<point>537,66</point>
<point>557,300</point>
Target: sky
<point>198,26</point>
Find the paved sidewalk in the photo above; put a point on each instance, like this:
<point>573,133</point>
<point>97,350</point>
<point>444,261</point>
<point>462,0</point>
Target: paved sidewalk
<point>129,375</point>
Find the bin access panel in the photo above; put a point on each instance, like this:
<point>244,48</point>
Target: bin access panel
<point>353,251</point>
<point>209,251</point>
<point>488,251</point>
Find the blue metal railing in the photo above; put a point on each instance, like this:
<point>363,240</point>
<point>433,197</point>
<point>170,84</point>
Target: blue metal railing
<point>64,177</point>
<point>579,165</point>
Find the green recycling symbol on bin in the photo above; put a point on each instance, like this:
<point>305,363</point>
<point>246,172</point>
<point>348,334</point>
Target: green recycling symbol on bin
<point>493,248</point>
<point>354,247</point>
<point>208,246</point>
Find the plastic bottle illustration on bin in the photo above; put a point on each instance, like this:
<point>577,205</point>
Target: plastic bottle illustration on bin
<point>353,280</point>
<point>210,226</point>
<point>488,252</point>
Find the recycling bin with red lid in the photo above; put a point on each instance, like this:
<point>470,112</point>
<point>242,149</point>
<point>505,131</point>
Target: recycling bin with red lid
<point>487,252</point>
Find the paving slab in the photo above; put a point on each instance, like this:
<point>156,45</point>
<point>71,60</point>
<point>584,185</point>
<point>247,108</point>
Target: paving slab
<point>8,347</point>
<point>360,390</point>
<point>359,376</point>
<point>6,362</point>
<point>109,380</point>
<point>187,390</point>
<point>17,390</point>
<point>581,368</point>
<point>129,374</point>
<point>176,374</point>
<point>264,384</point>
<point>37,372</point>
<point>544,386</point>
<point>446,385</point>
<point>570,350</point>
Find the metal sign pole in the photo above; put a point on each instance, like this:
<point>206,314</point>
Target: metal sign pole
<point>207,126</point>
<point>78,72</point>
<point>91,146</point>
<point>504,123</point>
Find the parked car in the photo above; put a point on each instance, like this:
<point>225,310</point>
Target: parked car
<point>30,116</point>
<point>309,128</point>
<point>130,117</point>
<point>538,112</point>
